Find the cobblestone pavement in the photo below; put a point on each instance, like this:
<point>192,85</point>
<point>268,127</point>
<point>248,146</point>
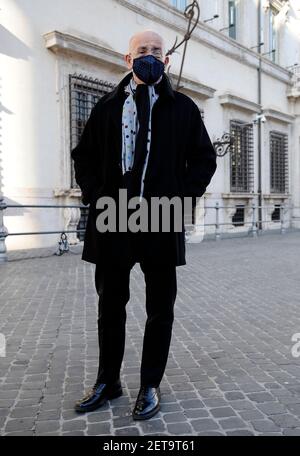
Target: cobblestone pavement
<point>230,369</point>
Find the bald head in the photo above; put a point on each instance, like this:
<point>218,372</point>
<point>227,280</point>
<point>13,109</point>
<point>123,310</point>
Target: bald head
<point>146,37</point>
<point>145,42</point>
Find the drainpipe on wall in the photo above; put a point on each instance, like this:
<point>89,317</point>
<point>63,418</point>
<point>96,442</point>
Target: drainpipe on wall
<point>259,189</point>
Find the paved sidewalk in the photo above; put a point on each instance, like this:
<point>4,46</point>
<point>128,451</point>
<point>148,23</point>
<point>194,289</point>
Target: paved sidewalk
<point>230,369</point>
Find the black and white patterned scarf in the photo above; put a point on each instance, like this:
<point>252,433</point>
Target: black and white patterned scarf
<point>130,126</point>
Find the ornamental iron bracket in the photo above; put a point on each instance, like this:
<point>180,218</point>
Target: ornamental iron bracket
<point>223,145</point>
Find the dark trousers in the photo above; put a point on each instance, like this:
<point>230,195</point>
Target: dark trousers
<point>112,284</point>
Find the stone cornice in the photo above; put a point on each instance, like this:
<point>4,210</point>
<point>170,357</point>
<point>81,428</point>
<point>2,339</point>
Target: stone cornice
<point>64,43</point>
<point>278,115</point>
<point>276,195</point>
<point>193,88</point>
<point>161,11</point>
<point>238,195</point>
<point>228,99</point>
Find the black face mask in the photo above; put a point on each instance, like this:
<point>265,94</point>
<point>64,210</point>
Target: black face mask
<point>148,68</point>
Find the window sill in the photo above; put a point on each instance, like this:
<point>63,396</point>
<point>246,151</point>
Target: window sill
<point>69,192</point>
<point>239,195</point>
<point>277,196</point>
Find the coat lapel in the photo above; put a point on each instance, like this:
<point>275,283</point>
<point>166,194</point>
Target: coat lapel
<point>117,97</point>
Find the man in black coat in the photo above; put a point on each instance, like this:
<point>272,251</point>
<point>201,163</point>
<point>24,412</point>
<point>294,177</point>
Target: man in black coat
<point>147,140</point>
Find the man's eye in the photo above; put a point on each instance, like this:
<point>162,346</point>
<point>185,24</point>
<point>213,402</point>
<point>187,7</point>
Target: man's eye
<point>157,53</point>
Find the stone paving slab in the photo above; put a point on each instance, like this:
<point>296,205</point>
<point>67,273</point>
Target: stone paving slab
<point>230,369</point>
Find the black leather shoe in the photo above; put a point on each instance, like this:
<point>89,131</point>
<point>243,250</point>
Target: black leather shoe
<point>98,395</point>
<point>147,403</point>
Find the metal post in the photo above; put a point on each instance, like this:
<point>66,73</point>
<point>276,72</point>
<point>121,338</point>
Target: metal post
<point>282,228</point>
<point>254,227</point>
<point>217,232</point>
<point>3,232</point>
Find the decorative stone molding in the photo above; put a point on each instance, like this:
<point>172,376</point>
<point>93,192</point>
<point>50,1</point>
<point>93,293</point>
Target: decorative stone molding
<point>230,211</point>
<point>269,201</point>
<point>248,211</point>
<point>228,99</point>
<point>267,217</point>
<point>162,12</point>
<point>280,116</point>
<point>71,220</point>
<point>239,196</point>
<point>193,88</point>
<point>232,200</point>
<point>69,192</point>
<point>197,234</point>
<point>267,212</point>
<point>64,43</point>
<point>276,4</point>
<point>71,214</point>
<point>277,196</point>
<point>293,93</point>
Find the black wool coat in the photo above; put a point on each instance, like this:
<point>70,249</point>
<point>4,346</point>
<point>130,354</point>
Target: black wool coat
<point>182,161</point>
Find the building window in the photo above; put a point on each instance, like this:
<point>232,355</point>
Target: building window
<point>241,157</point>
<point>275,217</point>
<point>238,219</point>
<point>179,4</point>
<point>232,18</point>
<point>84,94</point>
<point>272,34</point>
<point>278,162</point>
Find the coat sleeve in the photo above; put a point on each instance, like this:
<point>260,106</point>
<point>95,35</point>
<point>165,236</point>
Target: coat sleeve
<point>83,155</point>
<point>201,157</point>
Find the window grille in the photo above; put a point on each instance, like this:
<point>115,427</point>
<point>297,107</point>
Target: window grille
<point>278,162</point>
<point>241,157</point>
<point>238,218</point>
<point>276,213</point>
<point>232,18</point>
<point>180,4</point>
<point>84,93</point>
<point>272,34</point>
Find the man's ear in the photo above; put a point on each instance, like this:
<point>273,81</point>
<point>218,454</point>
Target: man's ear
<point>128,60</point>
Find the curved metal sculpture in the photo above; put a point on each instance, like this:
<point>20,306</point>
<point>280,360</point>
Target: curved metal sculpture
<point>222,146</point>
<point>189,13</point>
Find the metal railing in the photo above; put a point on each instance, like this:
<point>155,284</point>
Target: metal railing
<point>63,245</point>
<point>254,223</point>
